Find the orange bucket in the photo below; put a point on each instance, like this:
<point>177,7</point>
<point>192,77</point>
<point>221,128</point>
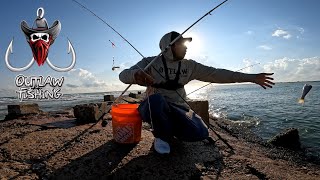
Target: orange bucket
<point>126,123</point>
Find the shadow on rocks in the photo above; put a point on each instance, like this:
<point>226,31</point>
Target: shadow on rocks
<point>95,164</point>
<point>186,161</point>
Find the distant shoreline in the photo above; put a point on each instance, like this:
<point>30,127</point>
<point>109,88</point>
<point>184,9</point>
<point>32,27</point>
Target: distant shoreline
<point>143,89</point>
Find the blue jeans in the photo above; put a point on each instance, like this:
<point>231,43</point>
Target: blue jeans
<point>171,120</point>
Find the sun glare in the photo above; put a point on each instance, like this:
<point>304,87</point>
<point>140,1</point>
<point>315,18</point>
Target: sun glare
<point>194,46</point>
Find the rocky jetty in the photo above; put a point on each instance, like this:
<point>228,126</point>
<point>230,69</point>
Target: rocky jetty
<point>54,145</point>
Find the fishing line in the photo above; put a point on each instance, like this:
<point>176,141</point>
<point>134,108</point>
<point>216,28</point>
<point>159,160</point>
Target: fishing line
<point>107,25</point>
<point>172,42</point>
<point>112,43</point>
<point>211,82</point>
<point>165,49</point>
<point>94,14</point>
<point>149,106</point>
<point>150,63</point>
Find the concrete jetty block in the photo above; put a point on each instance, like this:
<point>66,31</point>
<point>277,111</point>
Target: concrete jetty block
<point>201,107</point>
<point>133,95</point>
<point>90,112</point>
<point>23,109</point>
<point>108,97</point>
<point>18,110</point>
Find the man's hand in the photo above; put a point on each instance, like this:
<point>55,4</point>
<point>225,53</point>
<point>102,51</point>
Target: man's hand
<point>263,80</point>
<point>142,78</point>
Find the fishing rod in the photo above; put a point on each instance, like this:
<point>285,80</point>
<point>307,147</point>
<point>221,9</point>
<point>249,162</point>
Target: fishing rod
<point>177,38</point>
<point>150,63</point>
<point>211,82</point>
<point>165,49</point>
<point>84,7</point>
<point>171,43</point>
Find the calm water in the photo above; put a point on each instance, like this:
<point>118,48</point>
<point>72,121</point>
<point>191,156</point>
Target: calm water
<point>66,101</point>
<point>267,112</point>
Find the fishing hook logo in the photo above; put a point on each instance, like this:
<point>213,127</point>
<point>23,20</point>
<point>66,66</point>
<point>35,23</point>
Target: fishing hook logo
<point>40,37</point>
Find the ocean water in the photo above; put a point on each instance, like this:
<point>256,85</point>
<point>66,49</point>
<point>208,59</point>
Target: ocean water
<point>66,101</point>
<point>266,112</point>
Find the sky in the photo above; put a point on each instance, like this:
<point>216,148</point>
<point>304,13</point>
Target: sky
<point>274,36</point>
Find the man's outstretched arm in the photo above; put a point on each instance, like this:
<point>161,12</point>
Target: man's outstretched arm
<point>214,75</point>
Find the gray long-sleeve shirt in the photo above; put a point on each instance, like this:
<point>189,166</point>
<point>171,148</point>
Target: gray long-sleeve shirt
<point>190,70</point>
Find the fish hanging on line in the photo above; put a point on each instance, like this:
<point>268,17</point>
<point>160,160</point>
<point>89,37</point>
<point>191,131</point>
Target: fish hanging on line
<point>306,88</point>
<point>113,45</point>
<point>114,67</point>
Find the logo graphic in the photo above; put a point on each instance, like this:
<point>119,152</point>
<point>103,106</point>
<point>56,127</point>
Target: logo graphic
<point>37,87</point>
<point>40,37</point>
<point>124,133</point>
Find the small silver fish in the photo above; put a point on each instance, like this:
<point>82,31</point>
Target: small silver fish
<point>306,88</point>
<point>115,67</point>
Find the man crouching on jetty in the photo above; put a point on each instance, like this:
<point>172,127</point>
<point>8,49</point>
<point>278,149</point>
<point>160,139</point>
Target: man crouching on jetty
<point>165,108</point>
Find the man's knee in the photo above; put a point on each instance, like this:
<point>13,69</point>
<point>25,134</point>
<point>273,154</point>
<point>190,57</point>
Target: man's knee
<point>201,133</point>
<point>205,133</point>
<point>201,129</point>
<point>197,133</point>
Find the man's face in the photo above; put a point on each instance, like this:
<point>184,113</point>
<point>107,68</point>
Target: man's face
<point>179,49</point>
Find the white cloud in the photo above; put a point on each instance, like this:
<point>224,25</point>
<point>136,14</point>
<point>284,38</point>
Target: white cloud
<point>87,78</point>
<point>248,66</point>
<point>285,69</point>
<point>249,32</point>
<point>199,58</point>
<point>126,65</point>
<point>81,80</point>
<point>264,47</point>
<point>301,30</point>
<point>281,33</point>
<point>72,85</point>
<point>288,36</point>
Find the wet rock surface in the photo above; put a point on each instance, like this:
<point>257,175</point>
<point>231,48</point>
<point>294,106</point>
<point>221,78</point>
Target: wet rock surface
<point>288,139</point>
<point>55,146</point>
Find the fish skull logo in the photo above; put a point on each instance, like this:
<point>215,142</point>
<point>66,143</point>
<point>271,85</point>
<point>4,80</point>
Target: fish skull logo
<point>40,38</point>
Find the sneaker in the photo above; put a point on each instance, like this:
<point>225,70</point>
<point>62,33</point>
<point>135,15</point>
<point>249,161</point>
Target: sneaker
<point>161,146</point>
